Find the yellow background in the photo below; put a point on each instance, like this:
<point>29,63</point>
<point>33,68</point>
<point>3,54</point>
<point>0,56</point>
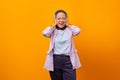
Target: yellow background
<point>23,48</point>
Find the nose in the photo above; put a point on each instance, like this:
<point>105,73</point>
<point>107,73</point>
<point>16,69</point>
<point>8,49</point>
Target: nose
<point>61,19</point>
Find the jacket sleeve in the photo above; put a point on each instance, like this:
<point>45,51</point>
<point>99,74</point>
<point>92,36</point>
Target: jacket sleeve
<point>75,30</point>
<point>48,31</point>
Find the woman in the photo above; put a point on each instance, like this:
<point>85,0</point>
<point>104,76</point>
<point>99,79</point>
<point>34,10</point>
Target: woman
<point>62,59</point>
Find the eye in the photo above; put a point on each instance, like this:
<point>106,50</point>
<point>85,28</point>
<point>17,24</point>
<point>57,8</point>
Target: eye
<point>59,18</point>
<point>63,18</point>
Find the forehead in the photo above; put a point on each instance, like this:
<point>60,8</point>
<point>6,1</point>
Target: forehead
<point>61,14</point>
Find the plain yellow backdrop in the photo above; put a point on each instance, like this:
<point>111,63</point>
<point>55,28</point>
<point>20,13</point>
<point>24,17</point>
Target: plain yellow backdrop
<point>23,48</point>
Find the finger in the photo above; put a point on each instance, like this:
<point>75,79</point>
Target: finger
<point>67,24</point>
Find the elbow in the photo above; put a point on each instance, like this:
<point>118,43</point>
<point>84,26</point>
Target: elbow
<point>46,35</point>
<point>77,32</point>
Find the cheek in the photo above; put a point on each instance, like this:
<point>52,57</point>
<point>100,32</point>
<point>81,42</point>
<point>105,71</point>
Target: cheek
<point>65,21</point>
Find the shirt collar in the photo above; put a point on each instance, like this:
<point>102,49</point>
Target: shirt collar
<point>58,28</point>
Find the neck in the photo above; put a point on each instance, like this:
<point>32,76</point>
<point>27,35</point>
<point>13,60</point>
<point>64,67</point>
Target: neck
<point>57,27</point>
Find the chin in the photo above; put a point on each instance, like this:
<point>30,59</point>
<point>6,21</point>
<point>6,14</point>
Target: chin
<point>61,26</point>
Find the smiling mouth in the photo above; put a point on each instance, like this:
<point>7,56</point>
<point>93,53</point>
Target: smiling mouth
<point>62,23</point>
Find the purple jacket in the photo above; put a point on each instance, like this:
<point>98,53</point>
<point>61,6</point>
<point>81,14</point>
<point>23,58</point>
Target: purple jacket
<point>51,33</point>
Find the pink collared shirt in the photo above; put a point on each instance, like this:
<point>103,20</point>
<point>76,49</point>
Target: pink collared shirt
<point>51,32</point>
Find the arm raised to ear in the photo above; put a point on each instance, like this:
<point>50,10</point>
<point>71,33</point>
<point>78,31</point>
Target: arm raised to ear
<point>48,31</point>
<point>75,30</point>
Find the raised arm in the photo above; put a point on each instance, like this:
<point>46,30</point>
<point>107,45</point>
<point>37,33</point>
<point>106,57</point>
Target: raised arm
<point>75,30</point>
<point>48,31</point>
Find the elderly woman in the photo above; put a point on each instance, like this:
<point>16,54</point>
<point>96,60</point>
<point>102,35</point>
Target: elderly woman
<point>62,59</point>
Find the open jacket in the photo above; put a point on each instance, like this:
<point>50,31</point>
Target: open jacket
<point>51,33</point>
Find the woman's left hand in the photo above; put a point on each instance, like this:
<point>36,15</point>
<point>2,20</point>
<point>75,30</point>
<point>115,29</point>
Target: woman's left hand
<point>69,25</point>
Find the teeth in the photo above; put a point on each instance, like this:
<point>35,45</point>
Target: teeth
<point>61,23</point>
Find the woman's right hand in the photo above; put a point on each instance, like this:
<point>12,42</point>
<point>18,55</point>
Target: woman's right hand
<point>55,23</point>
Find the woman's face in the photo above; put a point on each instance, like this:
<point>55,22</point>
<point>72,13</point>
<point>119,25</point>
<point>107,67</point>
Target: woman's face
<point>61,19</point>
